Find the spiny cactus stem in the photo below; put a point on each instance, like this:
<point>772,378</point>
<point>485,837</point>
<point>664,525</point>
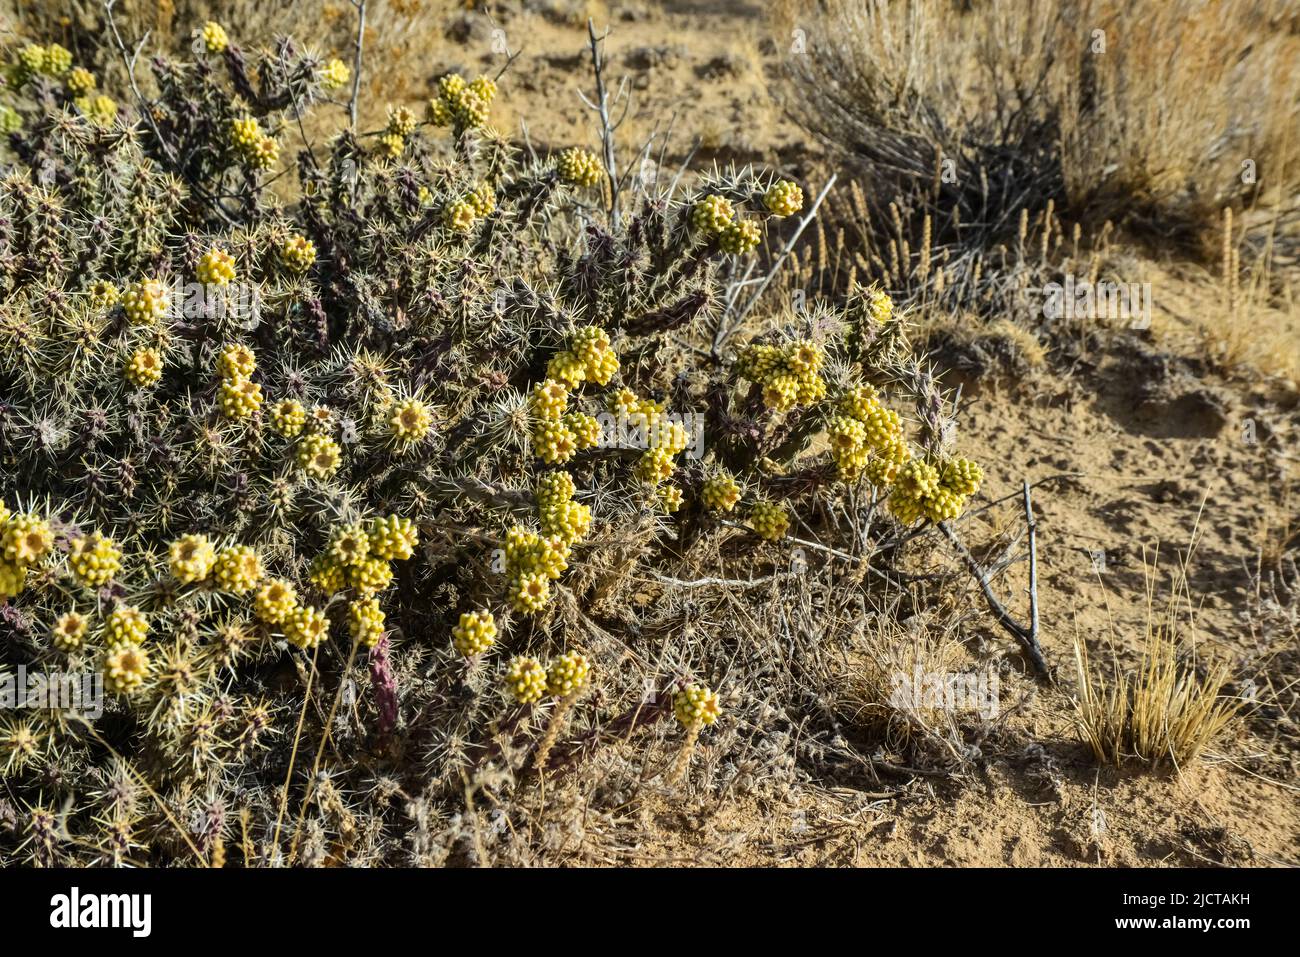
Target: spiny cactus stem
<point>683,759</point>
<point>559,718</point>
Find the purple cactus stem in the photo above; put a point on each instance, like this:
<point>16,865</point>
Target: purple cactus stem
<point>384,683</point>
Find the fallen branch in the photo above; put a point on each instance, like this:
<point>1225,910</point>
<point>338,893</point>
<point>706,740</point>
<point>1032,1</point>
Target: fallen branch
<point>1026,635</point>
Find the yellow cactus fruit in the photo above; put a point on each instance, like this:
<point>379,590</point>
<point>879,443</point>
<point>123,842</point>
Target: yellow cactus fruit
<point>103,294</point>
<point>392,145</point>
<point>94,559</point>
<point>126,667</point>
<point>483,199</point>
<point>370,576</point>
<point>216,267</point>
<point>68,632</point>
<point>696,705</point>
<point>566,368</point>
<point>144,368</point>
<point>525,679</point>
<point>549,399</point>
<point>393,538</point>
<point>720,493</point>
<point>334,74</point>
<point>126,625</point>
<point>307,627</point>
<point>275,601</point>
<point>236,361</point>
<point>58,60</point>
<point>671,498</point>
<point>288,417</point>
<point>237,569</point>
<point>555,443</point>
<point>475,633</point>
<point>26,539</point>
<point>13,579</point>
<point>191,558</point>
<point>81,81</point>
<point>327,575</point>
<point>484,87</point>
<point>214,37</point>
<point>349,545</point>
<point>769,520</point>
<point>318,455</point>
<point>655,466</point>
<point>962,476</point>
<point>459,216</point>
<point>239,398</point>
<point>401,121</point>
<point>585,429</point>
<point>145,302</point>
<point>410,421</point>
<point>713,214</point>
<point>530,593</point>
<point>568,675</point>
<point>783,198</point>
<point>740,238</point>
<point>579,167</point>
<point>880,306</point>
<point>298,253</point>
<point>366,621</point>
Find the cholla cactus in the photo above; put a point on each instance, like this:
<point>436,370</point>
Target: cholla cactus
<point>434,348</point>
<point>566,679</point>
<point>695,707</point>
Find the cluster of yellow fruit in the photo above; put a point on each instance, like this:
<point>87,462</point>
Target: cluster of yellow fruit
<point>475,633</point>
<point>144,368</point>
<point>579,167</point>
<point>255,147</point>
<point>589,358</point>
<point>238,395</point>
<point>696,706</point>
<point>557,513</point>
<point>769,520</point>
<point>298,253</point>
<point>100,109</point>
<point>923,490</point>
<point>790,375</point>
<point>33,59</point>
<point>216,267</point>
<point>358,555</point>
<point>714,215</point>
<point>533,561</point>
<point>145,303</point>
<point>460,215</point>
<point>214,37</point>
<point>528,681</point>
<point>80,81</point>
<point>334,74</point>
<point>720,492</point>
<point>556,432</point>
<point>466,105</point>
<point>864,435</point>
<point>783,198</point>
<point>24,540</point>
<point>409,422</point>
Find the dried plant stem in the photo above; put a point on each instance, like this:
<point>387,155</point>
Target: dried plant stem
<point>559,718</point>
<point>356,62</point>
<point>683,760</point>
